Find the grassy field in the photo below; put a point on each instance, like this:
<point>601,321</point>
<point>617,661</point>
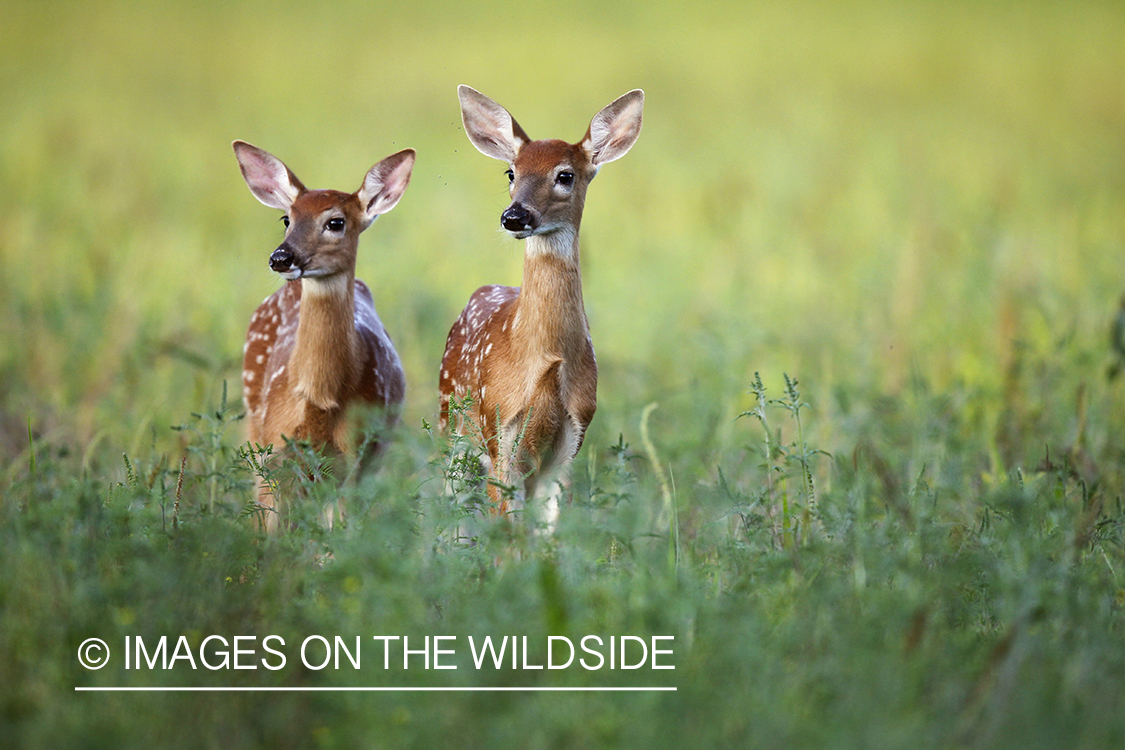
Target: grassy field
<point>907,531</point>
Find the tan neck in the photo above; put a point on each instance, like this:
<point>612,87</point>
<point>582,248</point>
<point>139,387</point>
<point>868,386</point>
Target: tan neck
<point>323,361</point>
<point>550,316</point>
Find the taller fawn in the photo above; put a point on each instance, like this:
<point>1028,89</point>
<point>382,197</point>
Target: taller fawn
<point>316,346</point>
<point>525,354</point>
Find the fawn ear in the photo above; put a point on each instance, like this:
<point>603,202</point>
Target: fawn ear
<point>489,126</point>
<point>614,130</point>
<point>269,179</point>
<point>385,183</point>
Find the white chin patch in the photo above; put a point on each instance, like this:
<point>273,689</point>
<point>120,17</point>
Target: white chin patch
<point>292,273</point>
<point>523,234</point>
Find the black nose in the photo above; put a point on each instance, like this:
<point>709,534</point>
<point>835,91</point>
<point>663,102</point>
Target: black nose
<point>281,260</point>
<point>516,218</point>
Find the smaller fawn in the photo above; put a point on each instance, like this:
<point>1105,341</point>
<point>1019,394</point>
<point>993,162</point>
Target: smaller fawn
<point>316,346</point>
<point>525,354</point>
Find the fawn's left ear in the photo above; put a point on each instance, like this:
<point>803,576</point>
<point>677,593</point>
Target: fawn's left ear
<point>614,130</point>
<point>268,178</point>
<point>385,183</point>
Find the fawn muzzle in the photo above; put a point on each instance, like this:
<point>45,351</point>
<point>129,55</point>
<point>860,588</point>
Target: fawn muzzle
<point>518,218</point>
<point>282,260</point>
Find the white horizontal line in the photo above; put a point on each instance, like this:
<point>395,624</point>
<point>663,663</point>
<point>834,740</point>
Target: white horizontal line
<point>370,689</point>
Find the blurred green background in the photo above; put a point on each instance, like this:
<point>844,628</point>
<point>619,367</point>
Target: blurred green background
<point>915,208</point>
<point>847,191</point>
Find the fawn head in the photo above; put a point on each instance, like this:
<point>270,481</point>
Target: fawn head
<point>548,179</point>
<point>322,227</point>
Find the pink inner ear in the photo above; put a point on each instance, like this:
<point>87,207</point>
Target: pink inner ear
<point>490,127</point>
<point>272,176</point>
<point>615,129</point>
<point>385,183</point>
<point>269,179</point>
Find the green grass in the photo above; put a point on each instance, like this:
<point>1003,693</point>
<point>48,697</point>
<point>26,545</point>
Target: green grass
<point>908,218</point>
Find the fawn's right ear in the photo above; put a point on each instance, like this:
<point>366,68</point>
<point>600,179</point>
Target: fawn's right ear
<point>489,126</point>
<point>269,179</point>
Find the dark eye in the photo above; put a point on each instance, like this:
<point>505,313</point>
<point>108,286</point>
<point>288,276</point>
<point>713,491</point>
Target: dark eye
<point>335,224</point>
<point>566,179</point>
<point>511,176</point>
<point>285,221</point>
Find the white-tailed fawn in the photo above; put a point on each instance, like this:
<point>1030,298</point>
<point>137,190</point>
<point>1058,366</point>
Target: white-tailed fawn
<point>316,346</point>
<point>524,354</point>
